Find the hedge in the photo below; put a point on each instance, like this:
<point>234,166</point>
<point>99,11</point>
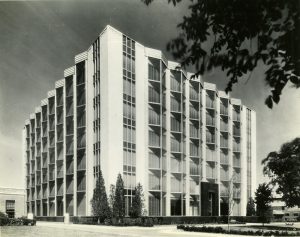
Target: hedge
<point>164,220</point>
<point>210,229</point>
<point>50,218</point>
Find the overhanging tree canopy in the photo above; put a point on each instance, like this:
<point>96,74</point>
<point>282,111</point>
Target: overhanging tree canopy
<point>243,33</point>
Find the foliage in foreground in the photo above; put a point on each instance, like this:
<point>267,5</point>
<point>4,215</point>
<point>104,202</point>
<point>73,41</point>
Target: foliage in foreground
<point>210,229</point>
<point>119,198</point>
<point>263,199</point>
<point>5,221</point>
<point>283,168</point>
<point>250,207</point>
<point>99,201</point>
<point>237,36</point>
<point>137,205</point>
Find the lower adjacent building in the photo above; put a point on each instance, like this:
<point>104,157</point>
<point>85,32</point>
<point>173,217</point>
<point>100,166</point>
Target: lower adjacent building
<point>283,213</point>
<point>124,108</point>
<point>12,202</point>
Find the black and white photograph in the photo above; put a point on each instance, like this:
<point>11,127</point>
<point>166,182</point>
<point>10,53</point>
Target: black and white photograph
<point>149,118</point>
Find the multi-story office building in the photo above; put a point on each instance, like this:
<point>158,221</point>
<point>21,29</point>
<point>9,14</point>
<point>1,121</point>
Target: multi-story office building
<point>126,109</point>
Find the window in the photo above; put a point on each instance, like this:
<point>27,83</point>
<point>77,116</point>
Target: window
<point>80,71</point>
<point>175,125</point>
<point>10,208</point>
<point>154,117</point>
<point>175,81</point>
<point>153,72</point>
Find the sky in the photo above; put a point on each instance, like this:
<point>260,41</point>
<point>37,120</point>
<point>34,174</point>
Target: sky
<point>38,40</point>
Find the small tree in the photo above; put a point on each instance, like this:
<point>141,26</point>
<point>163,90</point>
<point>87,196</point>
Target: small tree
<point>263,198</point>
<point>119,199</point>
<point>99,201</point>
<point>137,205</point>
<point>111,199</point>
<point>250,207</point>
<point>283,167</point>
<point>231,201</point>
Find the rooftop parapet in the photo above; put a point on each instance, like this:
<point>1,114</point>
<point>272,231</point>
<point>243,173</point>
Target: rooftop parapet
<point>59,83</point>
<point>154,53</point>
<point>69,71</point>
<point>51,93</point>
<point>81,57</point>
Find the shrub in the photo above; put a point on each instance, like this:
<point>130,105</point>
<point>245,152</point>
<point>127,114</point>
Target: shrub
<point>4,220</point>
<point>210,229</point>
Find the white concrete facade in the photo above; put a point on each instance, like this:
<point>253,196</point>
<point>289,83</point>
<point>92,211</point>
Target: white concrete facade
<point>125,108</point>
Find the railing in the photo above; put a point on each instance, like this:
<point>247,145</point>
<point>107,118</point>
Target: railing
<point>154,95</point>
<point>236,116</point>
<point>194,188</point>
<point>81,99</point>
<point>60,155</point>
<point>210,139</point>
<point>224,127</point>
<point>210,121</point>
<point>236,148</point>
<point>70,151</point>
<point>195,170</point>
<point>153,73</point>
<point>175,85</point>
<point>224,160</point>
<point>52,192</point>
<point>154,118</point>
<point>81,121</point>
<point>154,182</point>
<point>45,147</point>
<point>69,89</point>
<point>236,163</point>
<point>209,103</point>
<point>224,176</point>
<point>60,174</point>
<point>70,169</point>
<point>237,179</point>
<point>175,185</point>
<point>52,126</point>
<point>154,139</point>
<point>176,166</point>
<point>60,191</point>
<point>70,129</point>
<point>60,118</point>
<point>194,132</point>
<point>81,185</point>
<point>154,161</point>
<point>51,175</point>
<point>59,100</point>
<point>70,188</point>
<point>194,95</point>
<point>211,176</point>
<point>223,110</point>
<point>224,193</point>
<point>70,110</point>
<point>224,144</point>
<point>211,158</point>
<point>175,105</point>
<point>81,164</point>
<point>236,193</point>
<point>194,114</point>
<point>81,143</point>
